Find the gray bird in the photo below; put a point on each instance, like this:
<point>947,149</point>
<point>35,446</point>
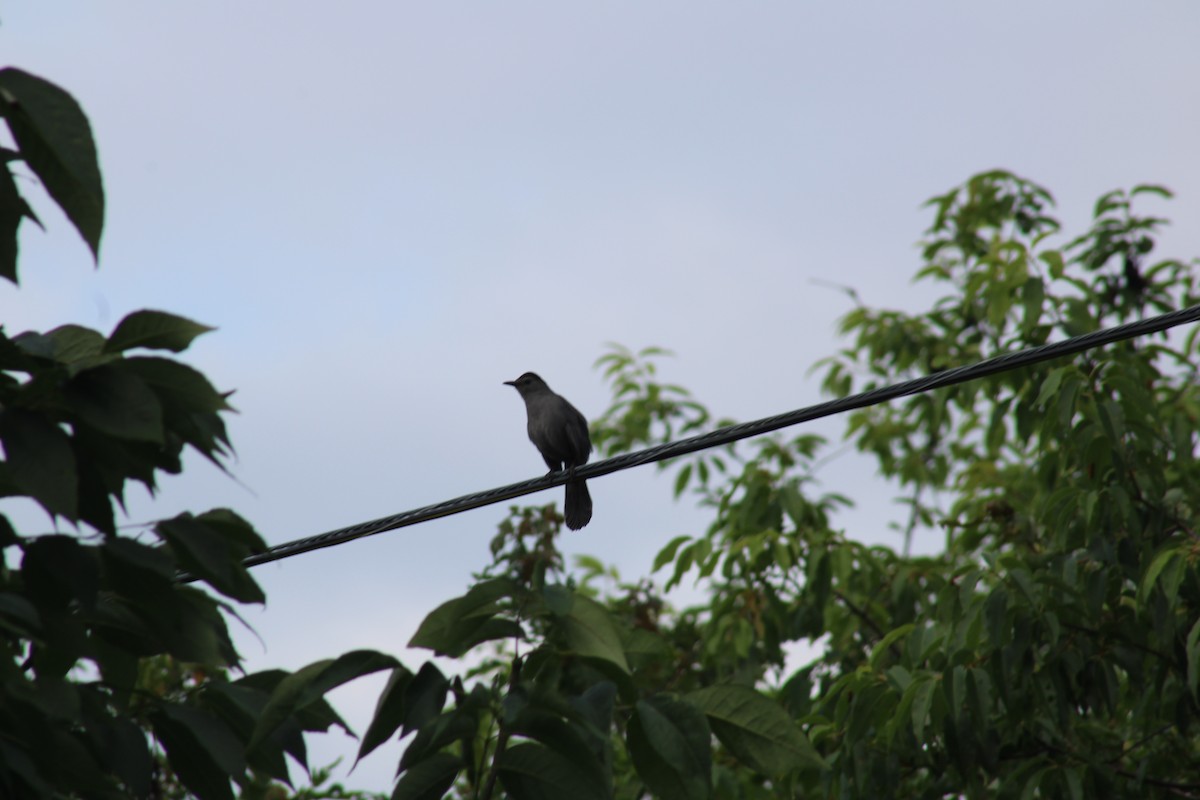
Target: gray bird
<point>560,433</point>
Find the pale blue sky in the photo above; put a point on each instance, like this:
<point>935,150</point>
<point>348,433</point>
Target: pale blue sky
<point>389,208</point>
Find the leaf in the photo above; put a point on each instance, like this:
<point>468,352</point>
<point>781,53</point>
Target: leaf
<point>1153,571</point>
<point>55,140</point>
<point>756,729</point>
<point>438,733</point>
<point>114,401</point>
<point>13,209</point>
<point>668,740</point>
<point>590,633</point>
<point>667,554</point>
<point>424,697</point>
<point>212,553</point>
<point>532,771</point>
<point>887,641</point>
<point>558,599</point>
<point>429,780</point>
<point>40,460</point>
<point>201,749</point>
<point>922,701</point>
<point>389,712</point>
<point>75,344</point>
<point>309,684</point>
<point>57,572</point>
<point>156,330</point>
<point>1193,661</point>
<point>187,387</point>
<point>457,625</point>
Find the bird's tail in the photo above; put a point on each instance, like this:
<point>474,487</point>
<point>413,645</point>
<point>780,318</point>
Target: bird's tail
<point>578,505</point>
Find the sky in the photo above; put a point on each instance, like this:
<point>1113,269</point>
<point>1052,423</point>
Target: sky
<point>387,209</point>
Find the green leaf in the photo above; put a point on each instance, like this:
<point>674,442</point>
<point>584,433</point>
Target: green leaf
<point>756,729</point>
<point>389,712</point>
<point>667,554</point>
<point>424,697</point>
<point>113,400</point>
<point>681,480</point>
<point>59,572</point>
<point>309,684</point>
<point>922,689</point>
<point>40,460</point>
<point>212,552</point>
<point>590,633</point>
<point>1153,571</point>
<point>558,599</point>
<point>201,749</point>
<point>532,771</point>
<point>187,387</point>
<point>13,209</point>
<point>668,741</point>
<point>887,641</point>
<point>429,780</point>
<point>55,140</point>
<point>1193,661</point>
<point>156,330</point>
<point>443,730</point>
<point>457,625</point>
<point>75,345</point>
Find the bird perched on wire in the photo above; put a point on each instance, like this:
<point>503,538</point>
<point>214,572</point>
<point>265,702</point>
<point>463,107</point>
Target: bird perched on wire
<point>560,433</point>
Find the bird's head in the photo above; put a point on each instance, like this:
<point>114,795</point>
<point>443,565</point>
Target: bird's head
<point>528,384</point>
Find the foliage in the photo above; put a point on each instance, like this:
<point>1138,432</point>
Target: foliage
<point>114,672</point>
<point>1052,647</point>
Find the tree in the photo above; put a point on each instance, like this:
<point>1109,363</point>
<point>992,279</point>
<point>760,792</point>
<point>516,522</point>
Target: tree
<point>108,660</point>
<point>1051,649</point>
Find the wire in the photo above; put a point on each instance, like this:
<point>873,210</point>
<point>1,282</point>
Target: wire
<point>733,433</point>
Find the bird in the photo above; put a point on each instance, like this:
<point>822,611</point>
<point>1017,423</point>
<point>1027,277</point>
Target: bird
<point>560,433</point>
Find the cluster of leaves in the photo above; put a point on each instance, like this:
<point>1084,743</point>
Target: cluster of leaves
<point>1053,647</point>
<point>1013,664</point>
<point>91,622</point>
<point>583,699</point>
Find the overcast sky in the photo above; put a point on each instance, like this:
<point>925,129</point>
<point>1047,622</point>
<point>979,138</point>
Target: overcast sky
<point>389,208</point>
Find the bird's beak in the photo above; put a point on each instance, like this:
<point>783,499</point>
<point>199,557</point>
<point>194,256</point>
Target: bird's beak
<point>511,383</point>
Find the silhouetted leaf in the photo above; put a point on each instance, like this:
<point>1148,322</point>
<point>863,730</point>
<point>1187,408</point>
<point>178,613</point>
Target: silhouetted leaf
<point>756,729</point>
<point>590,633</point>
<point>116,402</point>
<point>201,749</point>
<point>41,462</point>
<point>669,744</point>
<point>534,772</point>
<point>55,140</point>
<point>309,684</point>
<point>156,330</point>
<point>389,712</point>
<point>457,625</point>
<point>429,780</point>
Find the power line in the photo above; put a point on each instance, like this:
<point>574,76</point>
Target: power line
<point>733,433</point>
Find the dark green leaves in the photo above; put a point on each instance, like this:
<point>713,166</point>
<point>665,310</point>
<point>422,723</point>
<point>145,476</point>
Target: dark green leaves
<point>39,461</point>
<point>457,625</point>
<point>116,402</point>
<point>156,330</point>
<point>54,138</point>
<point>669,744</point>
<point>756,730</point>
<point>309,684</point>
<point>590,633</point>
<point>212,547</point>
<point>201,749</point>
